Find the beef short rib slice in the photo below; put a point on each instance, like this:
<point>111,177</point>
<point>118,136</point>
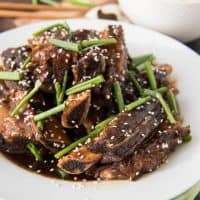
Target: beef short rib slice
<point>128,130</point>
<point>77,107</point>
<point>146,158</point>
<point>119,139</point>
<point>79,161</point>
<point>15,134</point>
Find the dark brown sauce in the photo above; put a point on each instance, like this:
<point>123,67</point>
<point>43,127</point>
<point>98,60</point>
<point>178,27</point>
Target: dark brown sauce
<point>45,168</point>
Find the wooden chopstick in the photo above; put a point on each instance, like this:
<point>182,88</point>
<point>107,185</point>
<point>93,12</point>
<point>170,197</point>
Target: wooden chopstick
<point>26,6</point>
<point>40,14</point>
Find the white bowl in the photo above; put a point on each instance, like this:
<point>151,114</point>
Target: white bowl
<point>171,179</point>
<point>177,18</point>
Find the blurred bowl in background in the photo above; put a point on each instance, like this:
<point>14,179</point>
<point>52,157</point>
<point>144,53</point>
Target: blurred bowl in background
<point>177,18</point>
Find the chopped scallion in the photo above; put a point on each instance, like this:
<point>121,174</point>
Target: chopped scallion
<point>135,82</point>
<point>50,2</point>
<point>26,62</point>
<point>66,45</point>
<point>118,96</point>
<point>12,76</point>
<point>64,25</point>
<point>26,98</point>
<point>40,125</point>
<point>137,103</point>
<point>92,134</point>
<point>50,112</point>
<point>76,143</point>
<point>34,2</point>
<point>104,123</point>
<point>61,173</point>
<point>187,138</point>
<point>57,89</point>
<point>62,92</point>
<point>172,101</point>
<point>85,85</point>
<point>34,151</point>
<point>150,75</point>
<point>139,60</point>
<point>163,103</point>
<point>98,42</point>
<point>87,3</point>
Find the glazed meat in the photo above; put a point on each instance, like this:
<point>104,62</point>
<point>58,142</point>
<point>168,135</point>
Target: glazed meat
<point>146,158</point>
<point>119,139</point>
<point>75,104</point>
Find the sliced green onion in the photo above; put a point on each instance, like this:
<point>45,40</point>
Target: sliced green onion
<point>139,60</point>
<point>50,2</point>
<point>172,101</point>
<point>64,25</point>
<point>57,89</point>
<point>34,151</point>
<point>163,103</point>
<point>40,125</point>
<point>92,134</point>
<point>104,123</point>
<point>12,76</point>
<point>118,96</point>
<point>61,173</point>
<point>187,138</point>
<point>162,90</point>
<point>62,92</point>
<point>50,112</point>
<point>85,85</point>
<point>26,98</point>
<point>135,82</point>
<point>66,150</point>
<point>137,103</point>
<point>26,62</point>
<point>66,45</point>
<point>34,2</point>
<point>87,3</point>
<point>150,75</point>
<point>147,92</point>
<point>98,42</point>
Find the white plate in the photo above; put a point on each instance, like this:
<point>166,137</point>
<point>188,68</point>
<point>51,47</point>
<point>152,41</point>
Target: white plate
<point>179,174</point>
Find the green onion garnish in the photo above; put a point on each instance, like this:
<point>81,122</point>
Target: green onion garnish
<point>50,112</point>
<point>34,151</point>
<point>61,173</point>
<point>66,45</point>
<point>12,76</point>
<point>163,103</point>
<point>62,92</point>
<point>162,90</point>
<point>66,150</point>
<point>139,60</point>
<point>172,101</point>
<point>57,89</point>
<point>118,96</point>
<point>135,82</point>
<point>98,42</point>
<point>40,125</point>
<point>50,2</point>
<point>34,2</point>
<point>137,103</point>
<point>26,62</point>
<point>26,98</point>
<point>85,85</point>
<point>86,3</point>
<point>64,25</point>
<point>187,138</point>
<point>150,75</point>
<point>92,134</point>
<point>104,123</point>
